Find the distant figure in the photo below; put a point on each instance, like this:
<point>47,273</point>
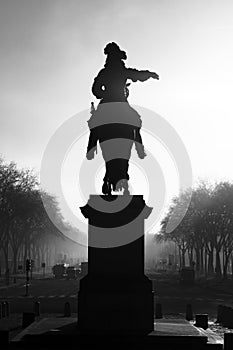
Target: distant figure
<point>115,119</point>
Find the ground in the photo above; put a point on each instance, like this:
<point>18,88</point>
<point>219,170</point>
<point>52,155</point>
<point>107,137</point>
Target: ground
<point>204,295</point>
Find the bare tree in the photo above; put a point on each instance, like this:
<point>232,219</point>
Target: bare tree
<point>206,229</point>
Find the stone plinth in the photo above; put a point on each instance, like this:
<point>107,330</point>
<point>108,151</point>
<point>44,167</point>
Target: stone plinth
<point>116,296</point>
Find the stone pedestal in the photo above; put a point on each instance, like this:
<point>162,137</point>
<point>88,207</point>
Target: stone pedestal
<point>116,296</point>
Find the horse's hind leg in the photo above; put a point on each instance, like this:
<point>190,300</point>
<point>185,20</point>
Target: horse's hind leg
<point>123,185</point>
<point>126,187</point>
<point>106,188</point>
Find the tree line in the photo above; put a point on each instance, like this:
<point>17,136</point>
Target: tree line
<point>204,237</point>
<point>25,228</point>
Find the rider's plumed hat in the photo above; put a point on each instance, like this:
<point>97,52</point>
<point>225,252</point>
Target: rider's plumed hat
<point>113,49</point>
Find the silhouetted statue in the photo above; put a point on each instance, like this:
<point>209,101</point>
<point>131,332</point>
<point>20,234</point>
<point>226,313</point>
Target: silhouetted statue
<point>115,124</point>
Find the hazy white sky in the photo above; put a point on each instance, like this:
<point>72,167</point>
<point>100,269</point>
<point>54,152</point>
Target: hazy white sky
<point>52,49</point>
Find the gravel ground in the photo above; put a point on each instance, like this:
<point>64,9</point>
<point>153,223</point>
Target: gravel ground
<point>213,326</point>
<point>219,330</point>
<point>14,323</point>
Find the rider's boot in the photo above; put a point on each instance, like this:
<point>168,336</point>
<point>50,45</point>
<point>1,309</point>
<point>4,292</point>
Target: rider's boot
<point>140,151</point>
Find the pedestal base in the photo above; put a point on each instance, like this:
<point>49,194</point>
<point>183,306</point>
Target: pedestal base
<point>116,297</point>
<point>116,306</point>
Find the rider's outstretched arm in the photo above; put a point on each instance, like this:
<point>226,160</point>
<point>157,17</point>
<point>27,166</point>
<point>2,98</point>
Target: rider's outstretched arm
<point>141,75</point>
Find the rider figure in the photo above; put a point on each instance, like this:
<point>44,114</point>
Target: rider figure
<point>110,83</point>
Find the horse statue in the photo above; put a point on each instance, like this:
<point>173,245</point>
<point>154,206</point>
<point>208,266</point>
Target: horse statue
<point>114,123</point>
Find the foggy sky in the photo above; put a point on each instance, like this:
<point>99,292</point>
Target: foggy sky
<point>51,51</point>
